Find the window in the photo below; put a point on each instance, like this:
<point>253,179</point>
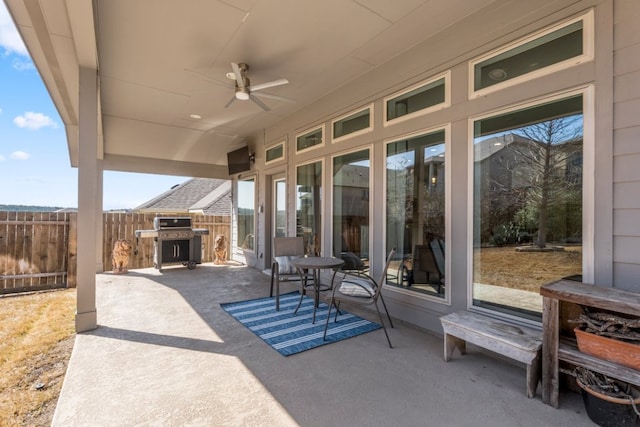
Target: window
<point>308,206</point>
<point>416,212</point>
<point>280,208</point>
<point>417,100</point>
<point>353,124</point>
<point>246,214</point>
<point>310,139</point>
<point>274,153</point>
<point>527,204</point>
<point>562,45</point>
<point>351,209</point>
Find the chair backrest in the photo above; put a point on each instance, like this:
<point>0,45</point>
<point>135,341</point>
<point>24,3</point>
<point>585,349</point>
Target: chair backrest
<point>383,275</point>
<point>283,246</point>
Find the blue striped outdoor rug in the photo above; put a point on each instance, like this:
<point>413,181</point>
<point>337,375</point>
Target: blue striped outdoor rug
<point>290,334</point>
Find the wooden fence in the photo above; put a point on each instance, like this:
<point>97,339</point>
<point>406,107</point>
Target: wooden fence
<point>38,249</point>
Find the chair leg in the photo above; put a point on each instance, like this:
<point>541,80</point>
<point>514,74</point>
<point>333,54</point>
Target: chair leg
<point>326,323</point>
<point>385,309</point>
<point>271,290</point>
<point>277,293</point>
<point>383,326</point>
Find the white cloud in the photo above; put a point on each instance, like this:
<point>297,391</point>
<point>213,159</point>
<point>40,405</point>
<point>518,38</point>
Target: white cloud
<point>22,64</point>
<point>1,158</point>
<point>10,39</point>
<point>34,121</point>
<point>20,155</point>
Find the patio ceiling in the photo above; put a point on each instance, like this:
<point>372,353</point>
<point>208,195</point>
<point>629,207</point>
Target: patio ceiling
<point>161,61</point>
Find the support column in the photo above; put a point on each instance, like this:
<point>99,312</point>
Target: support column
<point>88,192</point>
<point>99,218</point>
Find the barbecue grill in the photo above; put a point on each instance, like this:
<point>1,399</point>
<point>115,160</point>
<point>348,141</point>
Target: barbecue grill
<point>174,241</point>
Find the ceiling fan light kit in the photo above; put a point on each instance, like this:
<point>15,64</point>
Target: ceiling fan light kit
<point>244,91</point>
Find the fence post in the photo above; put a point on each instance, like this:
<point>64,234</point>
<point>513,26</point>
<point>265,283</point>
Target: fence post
<point>72,249</point>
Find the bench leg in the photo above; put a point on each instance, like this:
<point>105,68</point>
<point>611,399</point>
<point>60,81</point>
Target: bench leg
<point>450,344</point>
<point>533,375</point>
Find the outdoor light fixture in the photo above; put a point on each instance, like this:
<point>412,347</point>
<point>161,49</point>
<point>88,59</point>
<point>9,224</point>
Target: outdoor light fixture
<point>242,94</point>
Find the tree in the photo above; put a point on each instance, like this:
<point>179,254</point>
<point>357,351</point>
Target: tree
<point>549,158</point>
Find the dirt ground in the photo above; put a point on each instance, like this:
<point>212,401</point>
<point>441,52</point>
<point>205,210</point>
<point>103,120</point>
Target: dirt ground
<point>525,270</point>
<point>36,339</point>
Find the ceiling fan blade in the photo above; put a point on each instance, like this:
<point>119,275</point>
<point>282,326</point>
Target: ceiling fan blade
<point>236,70</point>
<point>277,98</point>
<point>233,98</point>
<point>262,105</point>
<point>261,86</point>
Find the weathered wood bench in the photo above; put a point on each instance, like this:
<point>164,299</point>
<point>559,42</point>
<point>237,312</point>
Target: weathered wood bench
<point>516,342</point>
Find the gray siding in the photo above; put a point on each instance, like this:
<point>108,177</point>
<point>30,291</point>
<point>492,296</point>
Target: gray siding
<point>626,149</point>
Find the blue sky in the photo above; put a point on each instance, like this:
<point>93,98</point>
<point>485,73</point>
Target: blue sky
<point>34,162</point>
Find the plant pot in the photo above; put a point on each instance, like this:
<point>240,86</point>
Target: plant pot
<point>620,352</point>
<point>607,411</point>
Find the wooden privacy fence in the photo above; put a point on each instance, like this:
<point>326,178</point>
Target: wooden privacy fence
<point>38,249</point>
<point>123,226</point>
<point>35,250</point>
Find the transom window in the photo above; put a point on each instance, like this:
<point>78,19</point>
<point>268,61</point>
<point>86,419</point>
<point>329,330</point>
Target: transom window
<point>274,153</point>
<point>562,45</point>
<point>310,139</point>
<point>419,99</point>
<point>352,125</point>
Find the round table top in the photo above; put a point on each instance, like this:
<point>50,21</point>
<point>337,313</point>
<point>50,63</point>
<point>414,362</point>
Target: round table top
<point>316,262</point>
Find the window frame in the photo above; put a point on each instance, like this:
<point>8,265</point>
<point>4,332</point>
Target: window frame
<point>308,131</point>
<point>363,131</point>
<point>323,223</point>
<point>446,300</point>
<point>447,99</point>
<point>588,189</point>
<point>588,45</point>
<point>369,147</point>
<point>282,158</point>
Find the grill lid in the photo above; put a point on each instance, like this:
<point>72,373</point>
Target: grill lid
<point>164,223</point>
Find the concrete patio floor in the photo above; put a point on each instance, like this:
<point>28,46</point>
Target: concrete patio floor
<point>166,354</point>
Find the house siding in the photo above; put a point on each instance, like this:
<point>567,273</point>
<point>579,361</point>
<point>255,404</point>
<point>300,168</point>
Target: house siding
<point>626,147</point>
<point>612,103</point>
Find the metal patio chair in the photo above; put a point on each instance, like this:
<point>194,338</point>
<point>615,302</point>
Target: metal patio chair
<point>284,250</point>
<point>361,289</point>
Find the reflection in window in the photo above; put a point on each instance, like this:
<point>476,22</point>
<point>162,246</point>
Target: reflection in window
<point>308,198</point>
<point>309,140</point>
<point>351,209</point>
<point>415,100</point>
<point>527,204</point>
<point>544,51</point>
<point>280,222</point>
<point>246,214</point>
<point>416,212</point>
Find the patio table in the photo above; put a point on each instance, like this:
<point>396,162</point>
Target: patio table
<point>316,264</point>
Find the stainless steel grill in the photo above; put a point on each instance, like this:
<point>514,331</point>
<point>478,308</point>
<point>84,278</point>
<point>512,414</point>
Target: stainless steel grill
<point>175,241</point>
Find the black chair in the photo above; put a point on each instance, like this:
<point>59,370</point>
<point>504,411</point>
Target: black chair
<point>360,289</point>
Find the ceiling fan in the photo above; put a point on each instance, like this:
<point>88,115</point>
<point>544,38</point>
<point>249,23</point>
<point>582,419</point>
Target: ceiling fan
<point>244,90</point>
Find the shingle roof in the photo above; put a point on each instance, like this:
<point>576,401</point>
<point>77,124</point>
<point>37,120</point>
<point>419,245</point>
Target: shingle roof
<point>209,195</point>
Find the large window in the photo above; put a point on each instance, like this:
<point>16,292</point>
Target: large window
<point>280,208</point>
<point>351,209</point>
<point>527,204</point>
<point>246,214</point>
<point>416,212</point>
<point>308,205</point>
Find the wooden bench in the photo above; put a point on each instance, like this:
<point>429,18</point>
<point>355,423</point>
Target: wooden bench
<point>515,342</point>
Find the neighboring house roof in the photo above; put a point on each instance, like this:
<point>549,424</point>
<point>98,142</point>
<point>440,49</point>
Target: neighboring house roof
<point>197,195</point>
